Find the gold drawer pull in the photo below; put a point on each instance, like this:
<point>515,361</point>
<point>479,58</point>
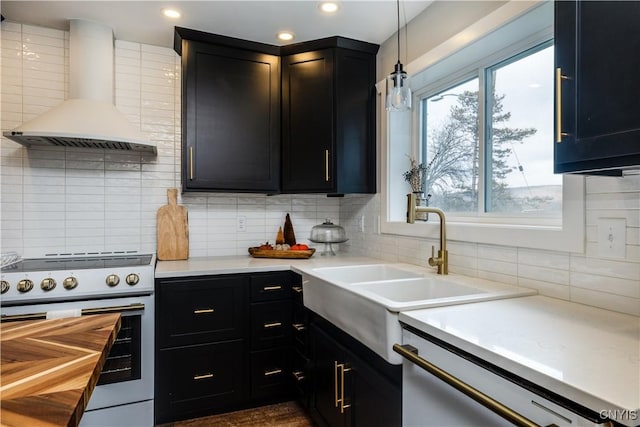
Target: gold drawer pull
<point>203,376</point>
<point>559,78</point>
<point>272,325</point>
<point>272,288</point>
<point>203,311</point>
<point>299,327</point>
<point>191,163</point>
<point>272,372</point>
<point>298,375</point>
<point>326,165</point>
<point>297,289</point>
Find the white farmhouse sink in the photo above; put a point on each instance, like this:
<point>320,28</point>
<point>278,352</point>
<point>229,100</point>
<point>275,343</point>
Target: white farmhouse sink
<point>364,273</point>
<point>397,295</point>
<point>368,309</point>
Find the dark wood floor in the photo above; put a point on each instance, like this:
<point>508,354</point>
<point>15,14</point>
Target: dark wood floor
<point>287,414</point>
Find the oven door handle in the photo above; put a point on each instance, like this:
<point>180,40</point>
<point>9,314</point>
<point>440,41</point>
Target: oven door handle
<point>411,353</point>
<point>84,311</point>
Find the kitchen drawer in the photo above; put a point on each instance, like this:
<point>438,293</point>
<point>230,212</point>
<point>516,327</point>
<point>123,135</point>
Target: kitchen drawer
<point>300,327</point>
<point>270,324</point>
<point>200,379</point>
<point>301,377</point>
<point>270,286</point>
<point>270,373</point>
<point>200,310</point>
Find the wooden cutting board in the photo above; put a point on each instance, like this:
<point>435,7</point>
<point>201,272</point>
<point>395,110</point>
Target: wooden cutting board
<point>173,229</point>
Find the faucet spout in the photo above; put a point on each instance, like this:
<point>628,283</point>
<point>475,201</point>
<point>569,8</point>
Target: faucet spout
<point>442,260</point>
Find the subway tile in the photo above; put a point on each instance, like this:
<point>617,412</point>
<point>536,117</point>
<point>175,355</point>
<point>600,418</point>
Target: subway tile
<point>606,300</point>
<point>607,268</point>
<point>612,285</point>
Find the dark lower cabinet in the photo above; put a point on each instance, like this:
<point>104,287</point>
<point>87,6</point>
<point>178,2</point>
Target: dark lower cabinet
<point>352,386</point>
<point>597,86</point>
<point>228,342</point>
<point>223,343</point>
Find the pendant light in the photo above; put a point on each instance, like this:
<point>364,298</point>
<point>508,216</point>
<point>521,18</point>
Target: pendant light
<point>398,92</point>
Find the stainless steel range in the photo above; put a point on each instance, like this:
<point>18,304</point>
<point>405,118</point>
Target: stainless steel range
<point>60,286</point>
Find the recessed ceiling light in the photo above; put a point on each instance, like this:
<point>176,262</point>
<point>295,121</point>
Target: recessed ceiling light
<point>171,13</point>
<point>285,36</point>
<point>329,7</point>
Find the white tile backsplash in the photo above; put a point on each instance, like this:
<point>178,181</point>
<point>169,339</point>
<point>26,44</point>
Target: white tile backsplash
<point>57,200</point>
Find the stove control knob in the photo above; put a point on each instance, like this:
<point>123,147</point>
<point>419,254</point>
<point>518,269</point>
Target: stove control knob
<point>132,279</point>
<point>113,280</point>
<point>47,284</point>
<point>5,286</point>
<point>25,285</point>
<point>70,283</point>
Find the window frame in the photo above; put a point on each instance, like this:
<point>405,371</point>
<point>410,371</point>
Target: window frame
<point>527,28</point>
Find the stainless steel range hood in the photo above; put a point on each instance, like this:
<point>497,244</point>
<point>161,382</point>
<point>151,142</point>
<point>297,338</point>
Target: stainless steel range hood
<point>88,118</point>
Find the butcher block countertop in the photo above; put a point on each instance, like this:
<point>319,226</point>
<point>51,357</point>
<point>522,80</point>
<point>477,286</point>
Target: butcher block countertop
<point>49,368</point>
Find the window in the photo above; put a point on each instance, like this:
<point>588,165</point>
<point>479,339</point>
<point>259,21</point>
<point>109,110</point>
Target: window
<point>505,166</point>
<point>482,124</point>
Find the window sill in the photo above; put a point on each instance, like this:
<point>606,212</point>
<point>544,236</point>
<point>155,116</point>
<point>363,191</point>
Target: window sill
<point>567,237</point>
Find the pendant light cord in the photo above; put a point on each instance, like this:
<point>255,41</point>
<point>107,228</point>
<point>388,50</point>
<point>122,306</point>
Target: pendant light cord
<point>398,14</point>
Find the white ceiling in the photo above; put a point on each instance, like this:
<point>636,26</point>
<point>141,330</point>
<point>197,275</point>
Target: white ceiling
<point>141,21</point>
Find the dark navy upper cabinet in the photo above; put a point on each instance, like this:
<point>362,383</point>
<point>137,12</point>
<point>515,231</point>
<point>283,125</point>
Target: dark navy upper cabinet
<point>230,114</point>
<point>597,87</point>
<point>328,117</point>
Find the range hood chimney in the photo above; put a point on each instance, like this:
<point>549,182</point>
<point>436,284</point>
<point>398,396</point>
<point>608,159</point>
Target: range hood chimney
<point>88,118</point>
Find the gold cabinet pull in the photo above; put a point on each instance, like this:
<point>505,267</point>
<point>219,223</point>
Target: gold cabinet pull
<point>326,165</point>
<point>203,376</point>
<point>191,163</point>
<point>299,327</point>
<point>272,372</point>
<point>340,399</point>
<point>411,353</point>
<point>272,288</point>
<point>298,376</point>
<point>203,311</point>
<point>335,382</point>
<point>297,289</point>
<point>559,78</point>
<point>272,325</point>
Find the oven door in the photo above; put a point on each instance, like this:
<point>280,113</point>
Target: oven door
<point>127,376</point>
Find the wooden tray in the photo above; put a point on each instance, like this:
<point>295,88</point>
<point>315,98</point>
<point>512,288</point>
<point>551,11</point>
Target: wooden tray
<point>272,253</point>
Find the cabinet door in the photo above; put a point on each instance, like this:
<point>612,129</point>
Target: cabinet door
<point>597,45</point>
<point>231,119</point>
<point>199,310</point>
<point>355,122</point>
<point>330,383</point>
<point>376,401</point>
<point>308,122</point>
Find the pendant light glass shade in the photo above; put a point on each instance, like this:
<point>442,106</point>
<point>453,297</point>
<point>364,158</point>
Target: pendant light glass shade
<point>398,92</point>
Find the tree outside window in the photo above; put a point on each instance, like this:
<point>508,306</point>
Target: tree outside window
<point>490,172</point>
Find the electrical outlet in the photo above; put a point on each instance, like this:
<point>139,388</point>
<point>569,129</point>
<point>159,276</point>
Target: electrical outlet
<point>242,223</point>
<point>361,223</point>
<point>612,233</point>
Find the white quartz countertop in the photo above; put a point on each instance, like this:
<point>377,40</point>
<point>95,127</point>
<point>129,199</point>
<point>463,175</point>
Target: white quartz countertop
<point>203,266</point>
<point>588,355</point>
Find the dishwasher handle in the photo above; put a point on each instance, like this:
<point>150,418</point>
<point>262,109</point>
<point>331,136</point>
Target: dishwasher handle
<point>411,353</point>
